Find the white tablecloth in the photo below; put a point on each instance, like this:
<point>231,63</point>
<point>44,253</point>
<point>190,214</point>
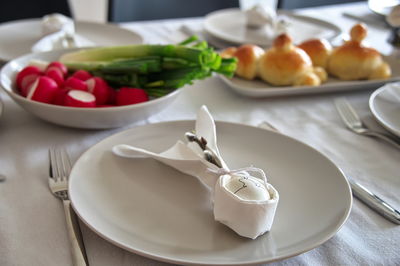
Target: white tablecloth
<point>32,226</point>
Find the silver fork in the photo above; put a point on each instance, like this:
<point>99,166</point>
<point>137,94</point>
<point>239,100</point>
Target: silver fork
<point>60,168</point>
<point>354,123</point>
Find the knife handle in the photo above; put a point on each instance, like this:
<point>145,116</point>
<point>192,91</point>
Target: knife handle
<point>78,257</point>
<point>375,202</point>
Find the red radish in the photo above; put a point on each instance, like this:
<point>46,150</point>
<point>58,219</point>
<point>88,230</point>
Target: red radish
<point>59,97</point>
<point>60,66</point>
<point>30,73</point>
<point>82,75</point>
<point>73,83</point>
<point>42,90</point>
<point>56,75</point>
<point>78,98</point>
<point>27,82</point>
<point>112,94</point>
<point>99,88</point>
<point>126,96</point>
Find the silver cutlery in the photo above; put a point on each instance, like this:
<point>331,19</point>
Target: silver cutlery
<point>1,107</point>
<point>60,167</point>
<point>374,202</point>
<point>354,123</point>
<point>2,177</point>
<point>368,18</point>
<point>360,192</point>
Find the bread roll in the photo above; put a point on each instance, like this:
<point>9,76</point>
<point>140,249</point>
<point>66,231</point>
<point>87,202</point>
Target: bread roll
<point>354,61</point>
<point>284,64</point>
<point>228,52</point>
<point>319,51</point>
<point>248,56</point>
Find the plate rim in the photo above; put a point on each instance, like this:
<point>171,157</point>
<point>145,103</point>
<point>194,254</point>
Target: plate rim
<point>375,113</point>
<point>303,90</point>
<point>338,225</point>
<point>139,38</point>
<point>234,40</point>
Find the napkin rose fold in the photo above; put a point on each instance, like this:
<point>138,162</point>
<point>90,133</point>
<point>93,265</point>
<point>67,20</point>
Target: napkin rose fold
<point>243,202</point>
<point>265,18</point>
<point>58,31</point>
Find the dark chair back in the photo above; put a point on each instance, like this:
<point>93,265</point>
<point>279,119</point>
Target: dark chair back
<point>23,9</point>
<point>134,10</point>
<point>293,4</point>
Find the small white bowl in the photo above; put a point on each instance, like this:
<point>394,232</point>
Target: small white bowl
<point>91,118</point>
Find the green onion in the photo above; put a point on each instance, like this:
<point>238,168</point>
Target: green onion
<point>159,69</point>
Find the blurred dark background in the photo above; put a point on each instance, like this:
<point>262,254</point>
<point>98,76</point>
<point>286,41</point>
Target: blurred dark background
<point>22,9</point>
<point>128,10</point>
<point>135,10</point>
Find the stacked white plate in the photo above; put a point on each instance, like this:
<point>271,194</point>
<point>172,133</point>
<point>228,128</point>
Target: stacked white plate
<point>19,36</point>
<point>230,25</point>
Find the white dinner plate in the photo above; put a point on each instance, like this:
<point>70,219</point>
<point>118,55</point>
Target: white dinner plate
<point>153,210</point>
<point>230,25</point>
<point>19,36</point>
<point>382,7</point>
<point>258,88</point>
<point>385,107</point>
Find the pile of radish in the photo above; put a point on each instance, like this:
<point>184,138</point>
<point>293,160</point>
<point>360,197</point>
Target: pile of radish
<point>54,85</point>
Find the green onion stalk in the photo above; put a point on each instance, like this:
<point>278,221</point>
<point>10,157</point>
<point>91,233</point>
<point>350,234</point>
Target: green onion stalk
<point>158,69</point>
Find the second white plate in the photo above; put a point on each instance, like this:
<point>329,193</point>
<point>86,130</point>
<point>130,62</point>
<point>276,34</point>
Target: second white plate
<point>230,25</point>
<point>385,107</point>
<point>154,210</point>
<point>18,37</point>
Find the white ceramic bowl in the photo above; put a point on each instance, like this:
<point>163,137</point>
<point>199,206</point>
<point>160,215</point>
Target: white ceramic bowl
<point>94,118</point>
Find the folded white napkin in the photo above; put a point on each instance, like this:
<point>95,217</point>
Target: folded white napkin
<point>243,202</point>
<point>55,29</point>
<point>261,16</point>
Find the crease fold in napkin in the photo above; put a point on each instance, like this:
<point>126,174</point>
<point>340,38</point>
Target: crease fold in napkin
<point>55,28</point>
<point>245,203</point>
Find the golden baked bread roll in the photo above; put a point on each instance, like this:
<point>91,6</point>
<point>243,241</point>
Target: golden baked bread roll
<point>353,60</point>
<point>285,64</point>
<point>228,52</point>
<point>248,56</point>
<point>319,51</point>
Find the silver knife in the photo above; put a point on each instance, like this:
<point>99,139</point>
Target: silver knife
<point>362,193</point>
<point>374,202</point>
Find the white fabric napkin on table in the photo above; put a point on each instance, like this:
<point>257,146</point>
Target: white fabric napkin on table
<point>55,29</point>
<point>243,202</point>
<point>262,17</point>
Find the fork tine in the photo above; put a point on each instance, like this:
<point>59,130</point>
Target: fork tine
<point>53,164</point>
<point>60,163</point>
<point>347,112</point>
<point>66,163</point>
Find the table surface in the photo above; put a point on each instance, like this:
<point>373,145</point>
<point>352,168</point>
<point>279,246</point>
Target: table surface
<point>32,226</point>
